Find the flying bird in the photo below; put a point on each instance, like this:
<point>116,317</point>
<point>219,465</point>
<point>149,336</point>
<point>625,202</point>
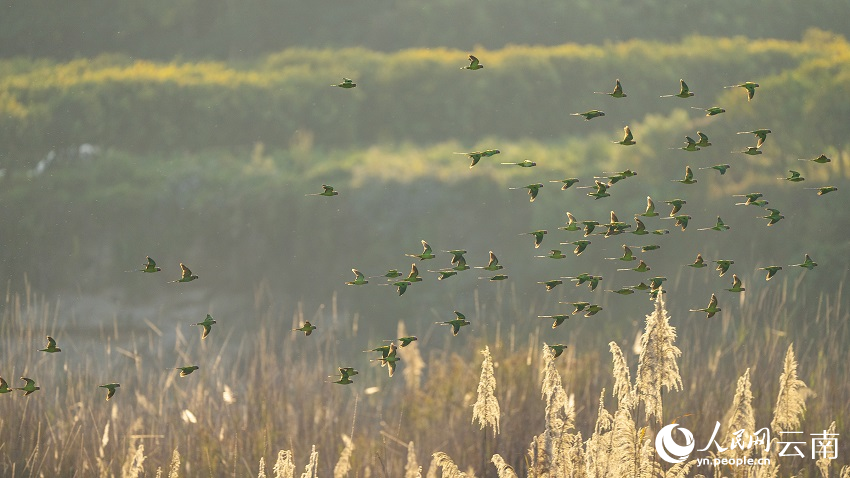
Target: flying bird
<point>719,167</point>
<point>413,276</point>
<point>577,306</point>
<point>390,359</point>
<point>622,291</point>
<point>533,189</point>
<point>474,64</point>
<point>148,266</point>
<point>641,267</point>
<point>538,236</point>
<point>650,208</point>
<point>110,387</point>
<point>808,263</point>
<point>736,284</point>
<point>493,265</point>
<point>427,253</point>
<point>677,205</point>
<point>326,191</point>
<point>714,110</point>
<point>711,309</point>
<point>698,263</point>
<point>581,245</point>
<point>590,114</point>
<point>391,274</point>
<point>627,255</point>
<point>822,159</point>
<point>525,163</point>
<point>553,254</point>
<point>444,274</point>
<point>557,349</point>
<point>405,341</point>
<point>207,325</point>
<point>719,226</point>
<point>681,220</point>
<point>617,93</point>
<point>567,182</point>
<point>359,278</point>
<point>690,145</point>
<point>824,189</point>
<point>761,134</point>
<point>572,224</point>
<point>307,328</point>
<point>346,83</point>
<point>4,387</point>
<point>551,284</point>
<point>749,86</point>
<point>771,271</point>
<point>187,275</point>
<point>475,156</point>
<point>773,217</point>
<point>457,255</point>
<point>703,140</point>
<point>559,319</point>
<point>400,285</point>
<point>628,138</point>
<point>793,176</point>
<point>723,265</point>
<point>29,387</point>
<point>689,177</point>
<point>51,346</point>
<point>751,150</point>
<point>684,91</point>
<point>187,369</point>
<point>457,323</point>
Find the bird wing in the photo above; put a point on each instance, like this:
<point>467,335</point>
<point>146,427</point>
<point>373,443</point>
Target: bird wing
<point>186,272</point>
<point>151,263</point>
<point>50,342</point>
<point>628,134</point>
<point>473,62</point>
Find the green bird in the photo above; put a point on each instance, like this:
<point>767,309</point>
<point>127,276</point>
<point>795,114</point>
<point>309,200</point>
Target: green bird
<point>475,156</point>
<point>326,191</point>
<point>405,341</point>
<point>593,282</point>
<point>677,205</point>
<point>401,286</point>
<point>711,309</point>
<point>793,176</point>
<point>723,265</point>
<point>653,294</point>
<point>641,286</point>
<point>589,115</point>
<point>187,369</point>
<point>684,91</point>
<point>461,265</point>
<point>359,278</point>
<point>617,93</point>
<point>808,263</point>
<point>493,265</point>
<point>391,274</point>
<point>496,277</point>
<point>761,135</point>
<point>690,145</point>
<point>525,163</point>
<point>747,85</point>
<point>29,387</point>
<point>627,255</point>
<point>207,325</point>
<point>771,271</point>
<point>751,197</point>
<point>719,167</point>
<point>581,278</point>
<point>714,110</point>
<point>51,346</point>
<point>698,263</point>
<point>186,276</point>
<point>822,159</point>
<point>618,176</point>
<point>751,150</point>
<point>628,138</point>
<point>347,372</point>
<point>589,226</point>
<point>538,236</point>
<point>474,64</point>
<point>591,310</point>
<point>551,284</point>
<point>655,282</point>
<point>110,387</point>
<point>444,274</point>
<point>567,182</point>
<point>773,217</point>
<point>660,232</point>
<point>149,266</point>
<point>824,189</point>
<point>553,254</point>
<point>719,226</point>
<point>689,177</point>
<point>648,247</point>
<point>427,253</point>
<point>390,359</point>
<point>307,328</point>
<point>650,208</point>
<point>557,349</point>
<point>703,140</point>
<point>577,306</point>
<point>581,245</point>
<point>4,387</point>
<point>640,229</point>
<point>457,255</point>
<point>559,319</point>
<point>736,284</point>
<point>533,189</point>
<point>346,83</point>
<point>384,349</point>
<point>681,220</point>
<point>413,276</point>
<point>344,380</point>
<point>641,267</point>
<point>622,291</point>
<point>457,323</point>
<point>572,224</point>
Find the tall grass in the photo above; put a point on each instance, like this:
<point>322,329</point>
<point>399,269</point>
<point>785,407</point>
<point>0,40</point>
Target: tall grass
<point>264,394</point>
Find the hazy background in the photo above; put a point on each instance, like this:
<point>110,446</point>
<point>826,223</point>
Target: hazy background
<point>192,132</point>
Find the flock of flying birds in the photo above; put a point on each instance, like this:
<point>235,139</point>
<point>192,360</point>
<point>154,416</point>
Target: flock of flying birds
<point>653,286</point>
